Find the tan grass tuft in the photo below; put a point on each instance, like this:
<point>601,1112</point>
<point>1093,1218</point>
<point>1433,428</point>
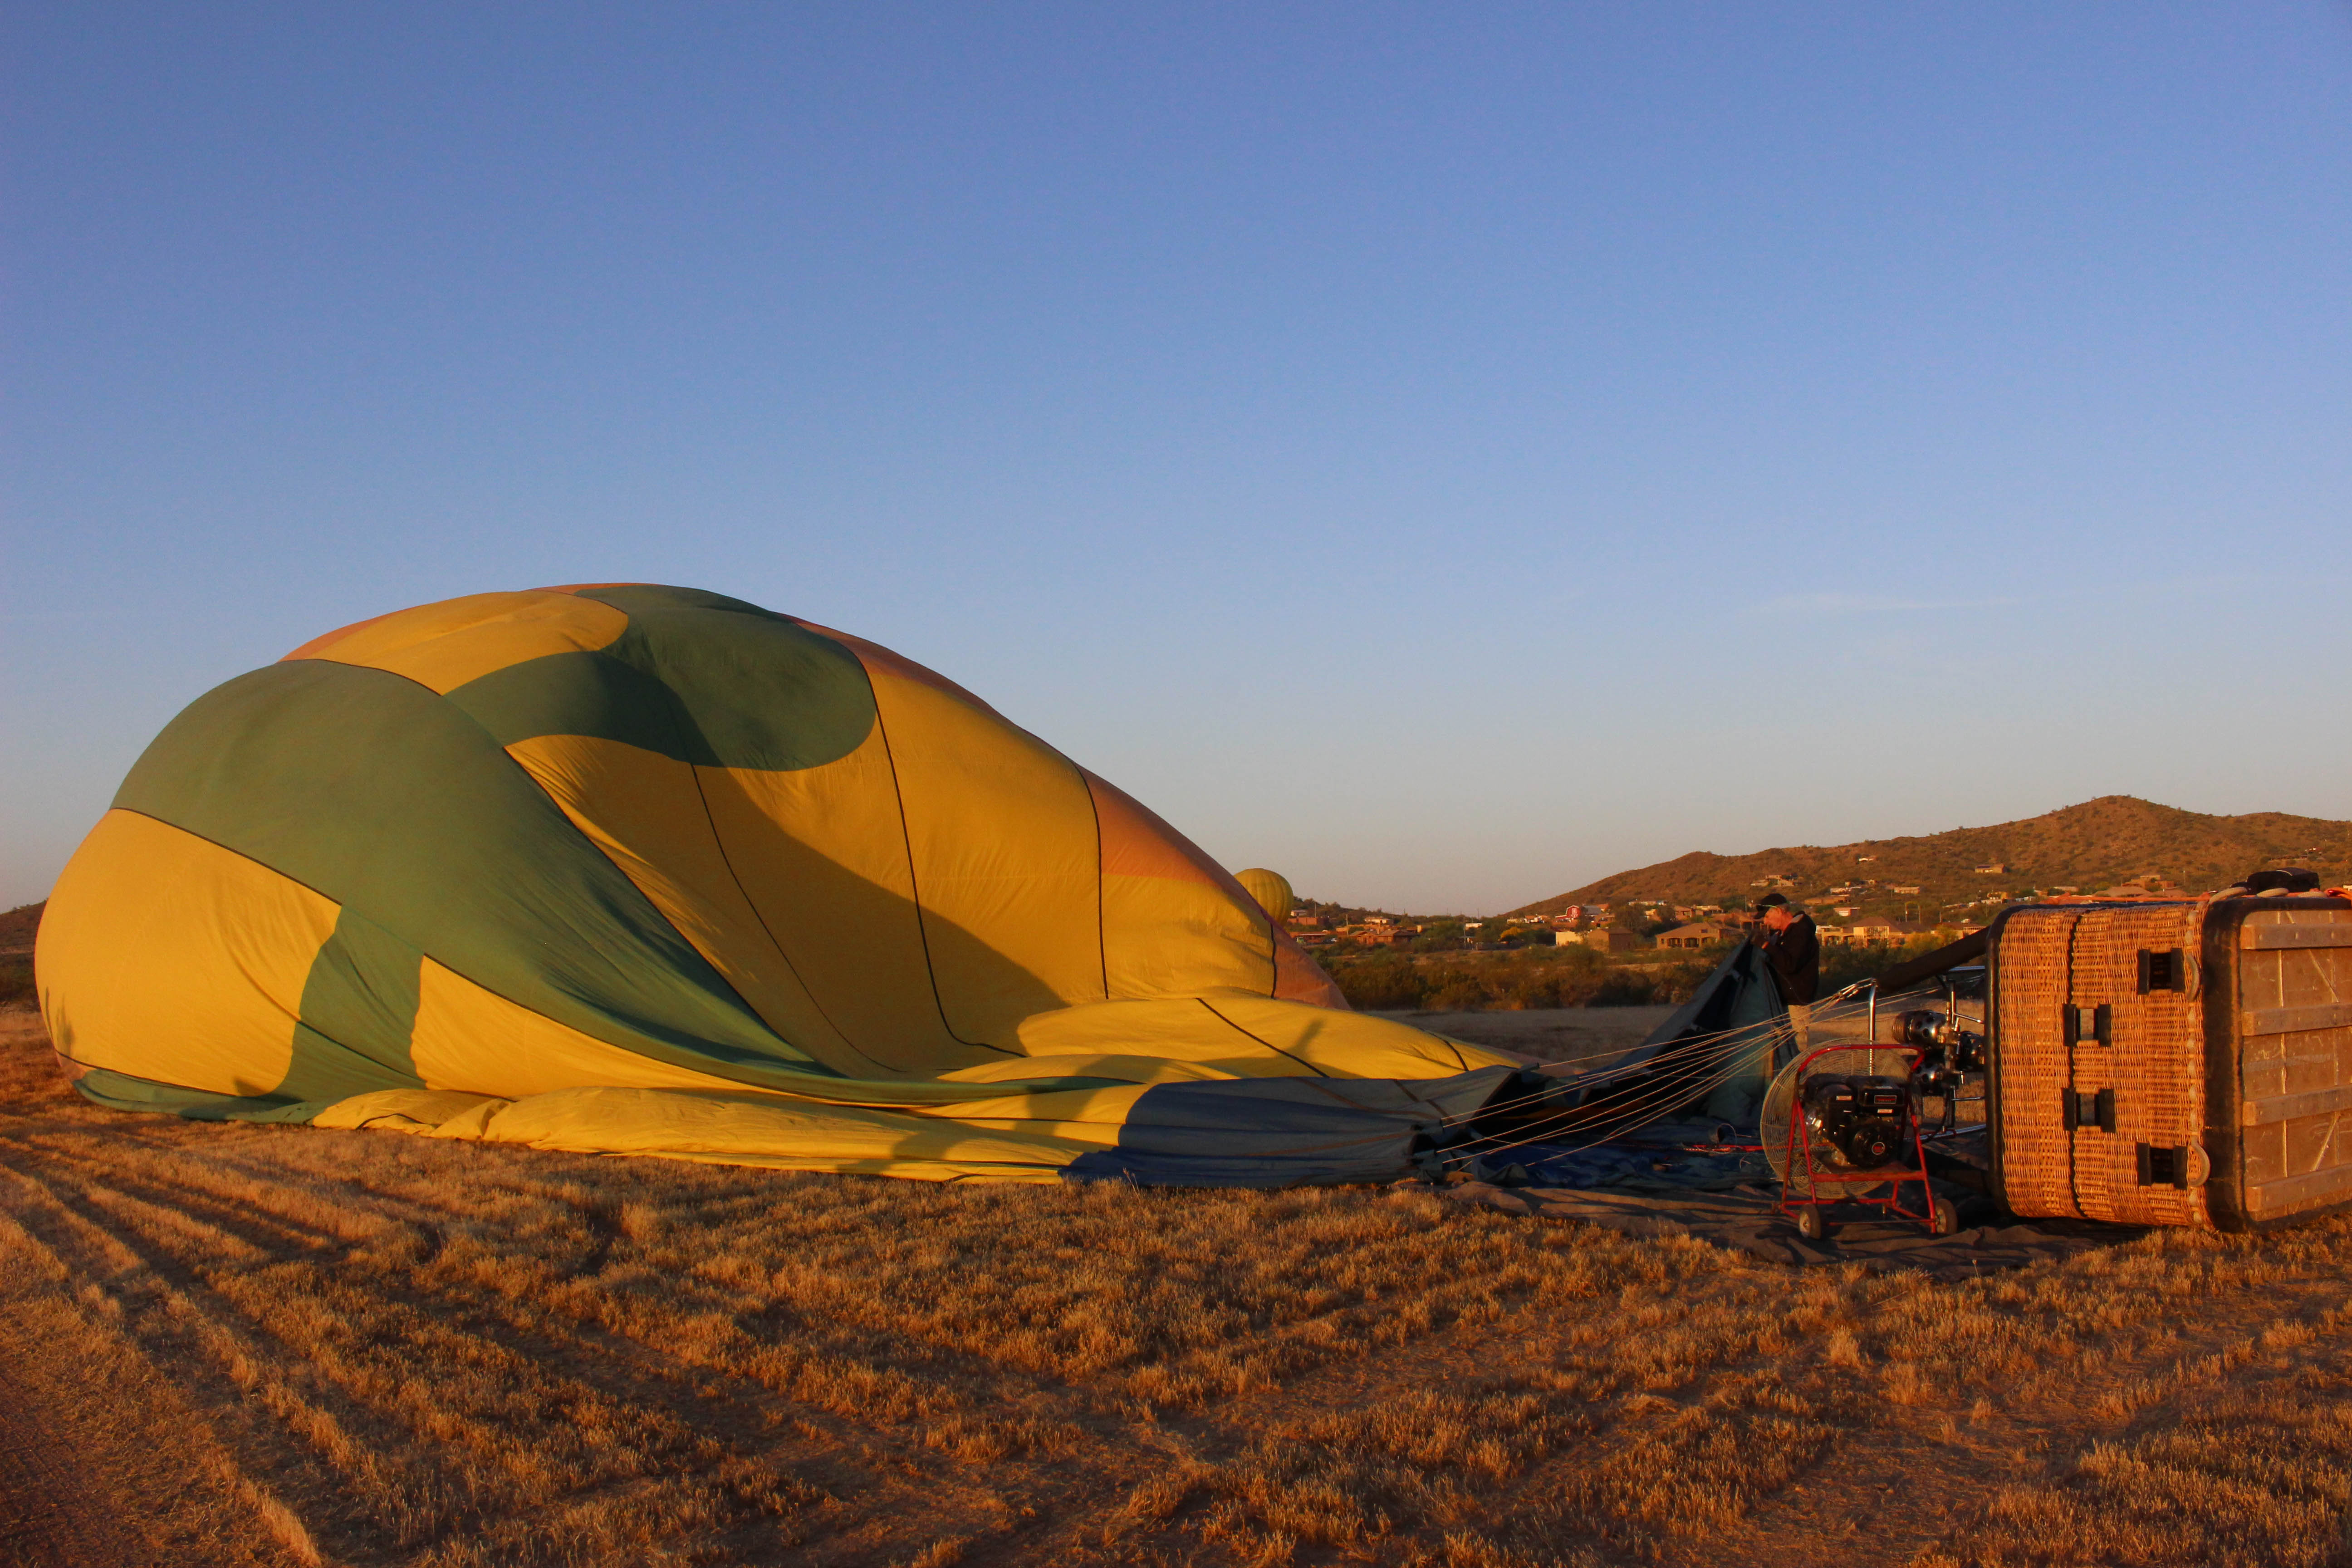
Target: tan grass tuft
<point>942,1553</point>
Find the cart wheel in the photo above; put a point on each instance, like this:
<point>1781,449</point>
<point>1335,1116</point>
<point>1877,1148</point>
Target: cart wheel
<point>1810,1224</point>
<point>1945,1220</point>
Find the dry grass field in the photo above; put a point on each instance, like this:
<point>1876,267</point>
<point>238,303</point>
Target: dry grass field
<point>1590,1035</point>
<point>243,1346</point>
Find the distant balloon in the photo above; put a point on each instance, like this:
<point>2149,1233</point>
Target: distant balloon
<point>1270,889</point>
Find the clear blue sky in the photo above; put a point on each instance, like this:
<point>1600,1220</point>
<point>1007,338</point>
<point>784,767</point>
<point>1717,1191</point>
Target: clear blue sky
<point>1444,453</point>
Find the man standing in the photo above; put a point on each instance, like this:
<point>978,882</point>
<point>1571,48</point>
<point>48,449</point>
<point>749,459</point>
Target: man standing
<point>1792,951</point>
<point>1784,937</point>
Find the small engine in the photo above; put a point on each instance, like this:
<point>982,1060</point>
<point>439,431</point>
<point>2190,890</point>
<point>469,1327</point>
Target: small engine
<point>1866,1117</point>
<point>1941,1037</point>
<point>1947,1054</point>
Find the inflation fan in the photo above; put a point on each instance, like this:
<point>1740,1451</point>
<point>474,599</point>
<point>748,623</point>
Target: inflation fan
<point>1840,1125</point>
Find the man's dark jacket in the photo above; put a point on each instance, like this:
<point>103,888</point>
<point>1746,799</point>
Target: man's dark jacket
<point>1794,951</point>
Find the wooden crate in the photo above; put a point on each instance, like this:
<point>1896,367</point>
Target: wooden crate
<point>2184,1062</point>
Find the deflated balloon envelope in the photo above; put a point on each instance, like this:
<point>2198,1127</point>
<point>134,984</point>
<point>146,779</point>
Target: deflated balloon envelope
<point>643,869</point>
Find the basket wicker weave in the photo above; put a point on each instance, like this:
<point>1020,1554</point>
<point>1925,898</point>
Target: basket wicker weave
<point>2030,1067</point>
<point>2140,1048</point>
<point>2157,1062</point>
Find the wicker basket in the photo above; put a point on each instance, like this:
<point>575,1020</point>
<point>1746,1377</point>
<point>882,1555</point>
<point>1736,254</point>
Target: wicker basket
<point>2184,1063</point>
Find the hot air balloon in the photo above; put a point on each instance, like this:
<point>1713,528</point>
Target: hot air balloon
<point>1271,889</point>
<point>638,870</point>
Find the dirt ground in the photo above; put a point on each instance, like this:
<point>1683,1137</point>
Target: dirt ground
<point>224,1343</point>
<point>1589,1037</point>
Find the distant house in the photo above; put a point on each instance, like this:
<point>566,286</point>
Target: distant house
<point>1903,887</point>
<point>1701,934</point>
<point>1992,868</point>
<point>1599,941</point>
<point>1867,930</point>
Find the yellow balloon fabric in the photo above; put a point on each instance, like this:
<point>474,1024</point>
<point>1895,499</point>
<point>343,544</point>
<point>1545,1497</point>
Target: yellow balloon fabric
<point>639,869</point>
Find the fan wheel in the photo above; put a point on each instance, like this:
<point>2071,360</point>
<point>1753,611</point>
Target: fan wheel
<point>1944,1217</point>
<point>1810,1224</point>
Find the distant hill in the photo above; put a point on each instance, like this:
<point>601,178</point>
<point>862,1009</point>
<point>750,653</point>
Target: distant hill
<point>18,926</point>
<point>2092,847</point>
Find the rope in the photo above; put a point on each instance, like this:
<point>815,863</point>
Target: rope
<point>1681,1048</point>
<point>1683,1053</point>
<point>1498,1144</point>
<point>1827,1010</point>
<point>1672,1090</point>
<point>1655,1103</point>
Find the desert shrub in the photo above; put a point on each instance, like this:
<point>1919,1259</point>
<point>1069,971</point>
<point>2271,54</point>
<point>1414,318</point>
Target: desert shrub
<point>19,926</point>
<point>1576,977</point>
<point>16,983</point>
<point>1387,983</point>
<point>1843,963</point>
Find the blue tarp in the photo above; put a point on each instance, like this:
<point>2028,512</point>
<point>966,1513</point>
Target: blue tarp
<point>1665,1157</point>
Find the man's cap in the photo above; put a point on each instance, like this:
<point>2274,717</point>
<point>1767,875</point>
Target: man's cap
<point>1771,901</point>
